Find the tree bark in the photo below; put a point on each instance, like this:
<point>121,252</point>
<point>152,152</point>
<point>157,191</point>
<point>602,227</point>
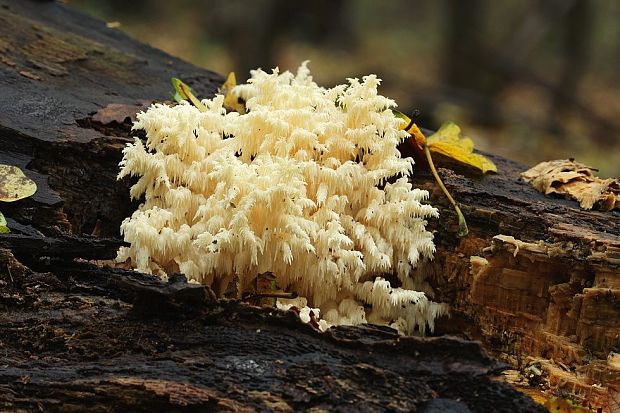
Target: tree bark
<point>79,335</point>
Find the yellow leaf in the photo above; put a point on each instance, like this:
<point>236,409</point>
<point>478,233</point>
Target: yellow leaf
<point>411,128</point>
<point>231,101</point>
<point>447,141</point>
<point>3,228</point>
<point>560,405</point>
<point>14,185</point>
<point>419,142</point>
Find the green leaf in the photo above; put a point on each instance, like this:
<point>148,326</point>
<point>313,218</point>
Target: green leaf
<point>3,228</point>
<point>408,122</point>
<point>176,96</point>
<point>14,185</point>
<point>183,92</point>
<point>401,115</point>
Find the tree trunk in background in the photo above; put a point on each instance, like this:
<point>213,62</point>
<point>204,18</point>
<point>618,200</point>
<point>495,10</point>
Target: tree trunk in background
<point>465,65</point>
<point>463,28</point>
<point>275,23</point>
<point>577,44</point>
<point>81,336</point>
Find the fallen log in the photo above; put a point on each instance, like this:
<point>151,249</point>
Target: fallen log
<point>83,336</point>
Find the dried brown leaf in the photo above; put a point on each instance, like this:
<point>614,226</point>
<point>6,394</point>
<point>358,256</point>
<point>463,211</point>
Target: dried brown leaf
<point>573,180</point>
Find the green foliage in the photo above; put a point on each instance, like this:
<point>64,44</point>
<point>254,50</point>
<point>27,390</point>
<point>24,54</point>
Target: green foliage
<point>183,92</point>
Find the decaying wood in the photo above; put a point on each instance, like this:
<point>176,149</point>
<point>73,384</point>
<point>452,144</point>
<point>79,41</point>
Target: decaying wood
<point>78,336</point>
<point>70,87</point>
<point>63,246</point>
<point>537,279</point>
<point>71,341</point>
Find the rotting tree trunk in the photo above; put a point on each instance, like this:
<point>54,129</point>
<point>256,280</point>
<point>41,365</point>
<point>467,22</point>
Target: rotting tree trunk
<point>77,336</point>
<point>537,280</point>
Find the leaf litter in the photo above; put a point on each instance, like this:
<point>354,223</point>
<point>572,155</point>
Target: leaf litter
<point>574,180</point>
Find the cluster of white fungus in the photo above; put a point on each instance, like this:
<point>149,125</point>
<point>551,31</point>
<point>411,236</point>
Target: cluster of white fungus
<point>297,186</point>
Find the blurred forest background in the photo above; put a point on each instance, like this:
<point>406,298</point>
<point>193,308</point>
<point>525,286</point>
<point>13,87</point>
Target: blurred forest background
<point>531,80</point>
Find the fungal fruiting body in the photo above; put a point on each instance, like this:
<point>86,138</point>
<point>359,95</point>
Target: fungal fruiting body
<point>296,186</point>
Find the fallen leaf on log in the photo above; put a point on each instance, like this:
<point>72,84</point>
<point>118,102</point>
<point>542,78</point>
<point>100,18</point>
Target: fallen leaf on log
<point>3,228</point>
<point>564,406</point>
<point>231,101</point>
<point>184,92</point>
<point>14,185</point>
<point>574,180</point>
<point>449,142</point>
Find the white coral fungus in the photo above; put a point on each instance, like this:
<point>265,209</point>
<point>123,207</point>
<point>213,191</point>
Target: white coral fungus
<point>297,186</point>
